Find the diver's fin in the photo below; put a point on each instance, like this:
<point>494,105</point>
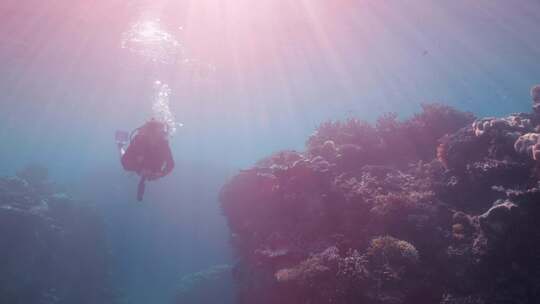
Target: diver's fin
<point>140,188</point>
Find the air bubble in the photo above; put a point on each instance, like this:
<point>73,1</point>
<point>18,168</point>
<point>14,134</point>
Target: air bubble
<point>161,106</point>
<point>148,39</point>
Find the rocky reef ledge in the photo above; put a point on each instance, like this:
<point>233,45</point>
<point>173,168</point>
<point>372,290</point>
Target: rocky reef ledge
<point>440,208</point>
<point>53,248</point>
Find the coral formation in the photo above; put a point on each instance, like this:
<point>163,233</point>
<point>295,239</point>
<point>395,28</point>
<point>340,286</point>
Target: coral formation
<point>439,208</point>
<point>53,248</point>
<point>528,145</point>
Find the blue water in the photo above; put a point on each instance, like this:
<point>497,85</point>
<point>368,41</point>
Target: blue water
<point>265,75</point>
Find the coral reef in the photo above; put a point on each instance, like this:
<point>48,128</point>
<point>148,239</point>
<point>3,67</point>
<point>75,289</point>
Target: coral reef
<point>440,208</point>
<point>53,248</point>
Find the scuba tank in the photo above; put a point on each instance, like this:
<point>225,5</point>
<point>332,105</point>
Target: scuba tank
<point>148,133</point>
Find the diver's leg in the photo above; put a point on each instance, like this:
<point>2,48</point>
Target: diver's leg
<point>140,188</point>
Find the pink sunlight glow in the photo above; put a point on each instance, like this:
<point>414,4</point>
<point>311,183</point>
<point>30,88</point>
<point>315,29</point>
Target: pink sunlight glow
<point>253,64</point>
<point>240,48</point>
<point>243,47</point>
<point>239,65</point>
<point>239,69</point>
<point>259,47</point>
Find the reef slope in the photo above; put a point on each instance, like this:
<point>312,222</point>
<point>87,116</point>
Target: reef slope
<point>440,208</point>
<point>53,248</point>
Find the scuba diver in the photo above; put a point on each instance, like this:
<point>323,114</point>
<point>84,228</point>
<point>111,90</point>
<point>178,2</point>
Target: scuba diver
<point>148,153</point>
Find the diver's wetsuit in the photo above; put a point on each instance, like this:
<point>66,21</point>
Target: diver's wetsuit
<point>150,158</point>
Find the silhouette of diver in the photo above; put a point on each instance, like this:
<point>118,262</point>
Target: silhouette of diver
<point>148,153</point>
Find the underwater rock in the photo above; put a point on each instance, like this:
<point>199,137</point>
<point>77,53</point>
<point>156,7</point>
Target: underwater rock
<point>53,248</point>
<point>440,208</point>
